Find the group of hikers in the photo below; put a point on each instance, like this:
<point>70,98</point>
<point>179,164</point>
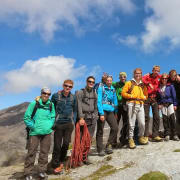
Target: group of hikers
<point>95,104</point>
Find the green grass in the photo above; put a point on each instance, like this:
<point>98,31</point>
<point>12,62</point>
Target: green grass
<point>156,175</point>
<point>61,178</point>
<point>103,171</point>
<point>176,150</point>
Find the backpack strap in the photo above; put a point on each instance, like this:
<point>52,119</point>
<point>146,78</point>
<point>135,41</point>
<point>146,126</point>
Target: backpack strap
<point>35,109</point>
<point>132,86</point>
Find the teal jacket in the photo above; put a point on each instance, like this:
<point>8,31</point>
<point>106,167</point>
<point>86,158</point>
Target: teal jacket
<point>42,121</point>
<point>118,86</point>
<point>107,100</point>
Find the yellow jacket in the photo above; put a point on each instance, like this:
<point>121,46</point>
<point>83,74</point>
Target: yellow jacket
<point>138,94</point>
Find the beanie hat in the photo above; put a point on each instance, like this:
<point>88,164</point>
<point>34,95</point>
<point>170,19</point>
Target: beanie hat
<point>122,74</point>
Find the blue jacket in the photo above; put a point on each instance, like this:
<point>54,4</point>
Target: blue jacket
<point>107,99</point>
<point>168,97</point>
<point>66,107</point>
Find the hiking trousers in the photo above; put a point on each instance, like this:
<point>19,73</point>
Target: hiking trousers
<point>156,119</point>
<point>34,141</point>
<point>112,122</point>
<point>136,111</point>
<point>62,138</point>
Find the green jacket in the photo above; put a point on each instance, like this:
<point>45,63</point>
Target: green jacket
<point>118,87</point>
<point>43,119</point>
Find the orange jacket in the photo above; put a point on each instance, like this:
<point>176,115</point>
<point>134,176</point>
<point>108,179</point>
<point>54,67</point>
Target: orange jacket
<point>138,94</point>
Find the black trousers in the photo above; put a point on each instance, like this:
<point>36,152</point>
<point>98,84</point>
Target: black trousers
<point>62,138</point>
<point>112,122</point>
<point>156,119</point>
<point>124,130</point>
<point>169,125</point>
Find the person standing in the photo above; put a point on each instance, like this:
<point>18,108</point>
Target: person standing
<point>166,98</point>
<point>152,83</point>
<point>136,93</point>
<point>174,79</point>
<point>66,109</point>
<point>122,110</point>
<point>87,107</point>
<point>40,124</point>
<point>107,108</point>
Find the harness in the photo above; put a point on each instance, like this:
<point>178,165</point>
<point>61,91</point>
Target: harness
<point>86,99</point>
<point>105,96</point>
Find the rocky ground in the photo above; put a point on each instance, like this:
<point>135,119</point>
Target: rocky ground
<point>123,164</point>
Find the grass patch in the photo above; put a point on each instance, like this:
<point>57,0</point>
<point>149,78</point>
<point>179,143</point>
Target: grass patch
<point>154,176</point>
<point>176,150</point>
<point>61,178</point>
<point>107,170</point>
<point>126,165</point>
<point>103,171</point>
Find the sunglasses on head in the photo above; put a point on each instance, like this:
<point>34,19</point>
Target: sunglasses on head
<point>46,93</point>
<point>68,86</point>
<point>92,82</point>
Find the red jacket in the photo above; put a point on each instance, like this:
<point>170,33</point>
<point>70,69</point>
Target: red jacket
<point>148,79</point>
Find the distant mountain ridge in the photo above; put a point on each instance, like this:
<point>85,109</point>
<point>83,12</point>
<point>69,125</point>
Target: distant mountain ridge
<point>13,115</point>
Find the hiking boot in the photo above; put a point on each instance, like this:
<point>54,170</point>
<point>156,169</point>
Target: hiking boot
<point>167,138</point>
<point>131,143</point>
<point>101,153</point>
<point>43,175</point>
<point>108,149</point>
<point>115,145</point>
<point>157,139</point>
<point>142,140</point>
<point>59,169</point>
<point>28,177</point>
<point>87,162</point>
<point>146,139</point>
<point>175,138</point>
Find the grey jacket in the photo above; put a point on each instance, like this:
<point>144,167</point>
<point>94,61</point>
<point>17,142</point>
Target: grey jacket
<point>87,105</point>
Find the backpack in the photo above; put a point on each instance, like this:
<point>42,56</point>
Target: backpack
<point>97,85</point>
<point>84,99</point>
<point>37,105</point>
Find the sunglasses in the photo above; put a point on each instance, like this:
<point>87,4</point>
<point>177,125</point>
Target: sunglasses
<point>164,78</point>
<point>46,93</point>
<point>68,86</point>
<point>91,82</point>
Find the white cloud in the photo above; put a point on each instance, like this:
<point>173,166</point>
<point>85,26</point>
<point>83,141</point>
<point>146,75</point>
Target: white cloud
<point>163,24</point>
<point>47,71</point>
<point>49,16</point>
<point>129,40</point>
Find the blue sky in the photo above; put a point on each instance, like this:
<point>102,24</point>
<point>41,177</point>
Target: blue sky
<point>43,42</point>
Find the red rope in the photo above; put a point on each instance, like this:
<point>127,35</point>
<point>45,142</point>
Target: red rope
<point>81,146</point>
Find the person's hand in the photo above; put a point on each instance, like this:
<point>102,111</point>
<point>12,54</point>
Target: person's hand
<point>178,78</point>
<point>175,107</point>
<point>151,86</point>
<point>81,122</point>
<point>160,106</point>
<point>102,118</point>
